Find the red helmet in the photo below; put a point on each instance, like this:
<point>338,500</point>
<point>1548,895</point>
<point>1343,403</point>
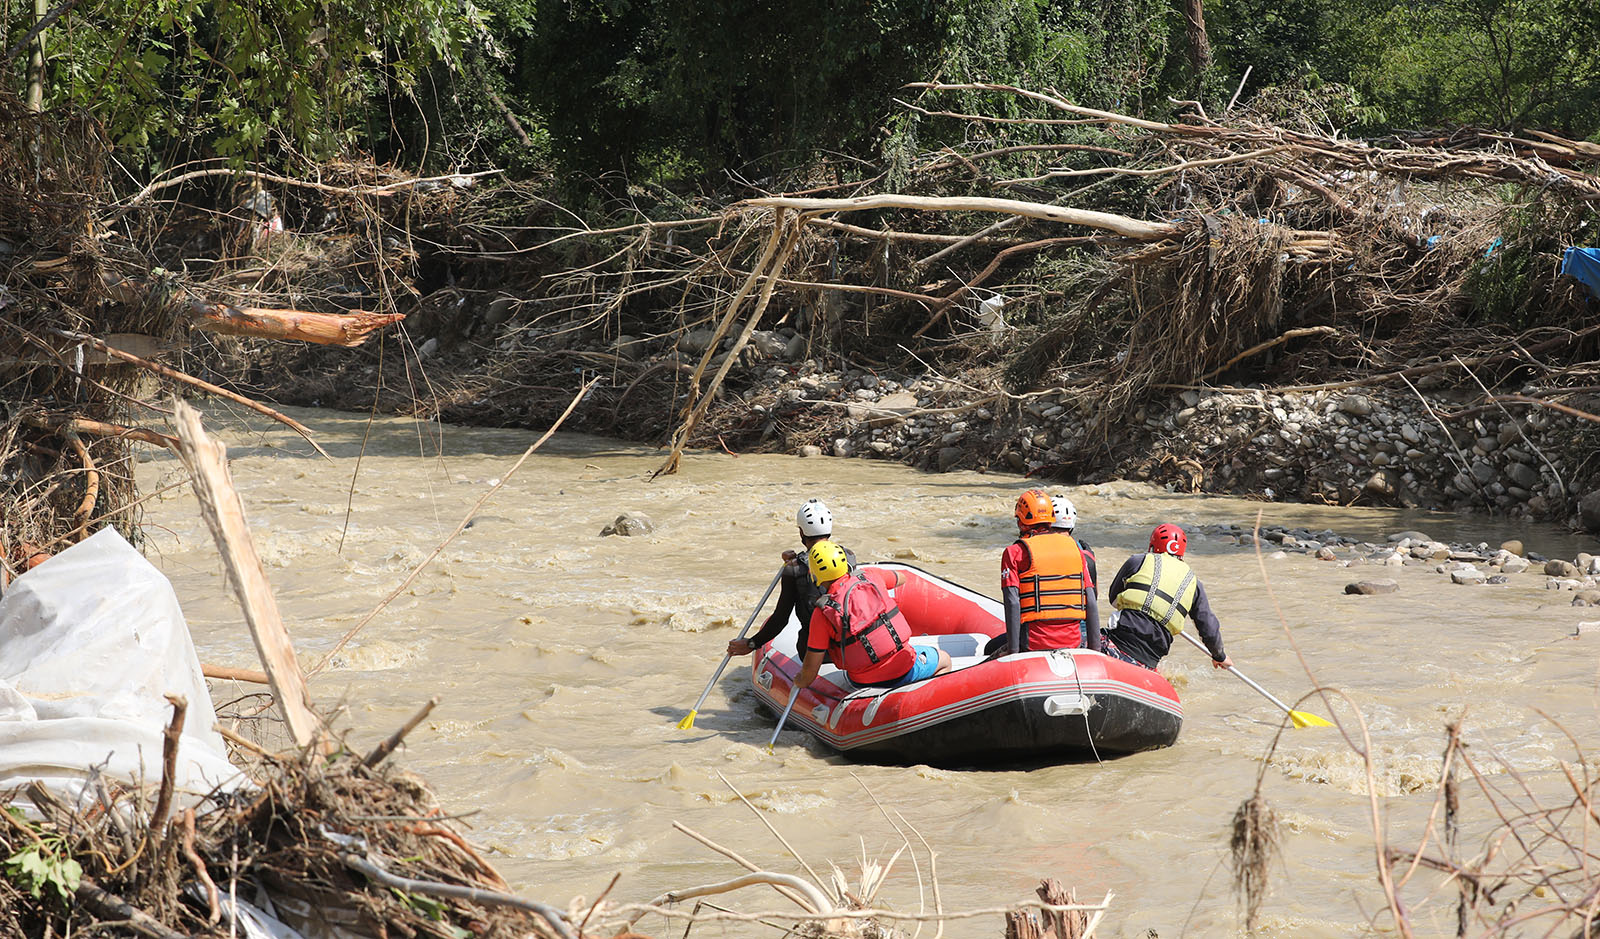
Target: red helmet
<point>1169,539</point>
<point>1034,508</point>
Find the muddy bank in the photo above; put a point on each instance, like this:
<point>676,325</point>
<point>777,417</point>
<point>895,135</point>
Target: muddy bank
<point>1424,444</point>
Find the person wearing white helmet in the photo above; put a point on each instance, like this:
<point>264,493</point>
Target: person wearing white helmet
<point>1067,521</point>
<point>799,592</point>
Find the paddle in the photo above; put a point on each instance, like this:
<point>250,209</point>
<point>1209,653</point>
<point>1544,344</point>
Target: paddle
<point>793,697</point>
<point>1300,718</point>
<point>688,721</point>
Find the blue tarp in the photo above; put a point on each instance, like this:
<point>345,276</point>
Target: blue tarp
<point>1583,264</point>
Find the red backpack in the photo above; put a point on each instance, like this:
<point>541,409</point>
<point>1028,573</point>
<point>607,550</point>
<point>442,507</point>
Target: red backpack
<point>873,636</point>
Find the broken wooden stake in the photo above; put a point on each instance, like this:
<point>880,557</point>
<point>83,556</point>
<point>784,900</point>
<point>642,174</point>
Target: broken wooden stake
<point>382,750</point>
<point>206,459</point>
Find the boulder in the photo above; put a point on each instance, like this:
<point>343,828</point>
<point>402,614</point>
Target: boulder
<point>1499,579</point>
<point>628,524</point>
<point>1368,588</point>
<point>1325,554</point>
<point>1468,575</point>
<point>949,457</point>
<point>1513,546</point>
<point>809,451</point>
<point>1358,405</point>
<point>1559,568</point>
<point>1382,484</point>
<point>695,341</point>
<point>1523,475</point>
<point>1407,536</point>
<point>1515,565</point>
<point>1589,510</point>
<point>1590,597</point>
<point>1586,627</point>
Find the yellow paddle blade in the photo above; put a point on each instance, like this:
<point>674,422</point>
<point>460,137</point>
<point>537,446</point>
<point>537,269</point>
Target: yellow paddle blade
<point>1303,719</point>
<point>688,721</point>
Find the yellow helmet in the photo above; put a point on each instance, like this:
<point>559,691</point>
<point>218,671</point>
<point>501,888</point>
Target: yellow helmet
<point>828,562</point>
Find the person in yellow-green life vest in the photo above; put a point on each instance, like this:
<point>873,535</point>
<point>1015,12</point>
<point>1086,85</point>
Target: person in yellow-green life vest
<point>1153,594</point>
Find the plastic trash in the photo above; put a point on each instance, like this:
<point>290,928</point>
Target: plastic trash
<point>991,313</point>
<point>91,642</point>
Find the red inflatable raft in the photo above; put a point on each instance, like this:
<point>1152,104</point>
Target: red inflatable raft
<point>1061,704</point>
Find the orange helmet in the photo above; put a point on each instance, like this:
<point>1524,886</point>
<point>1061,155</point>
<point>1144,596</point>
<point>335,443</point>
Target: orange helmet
<point>1034,508</point>
<point>1169,539</point>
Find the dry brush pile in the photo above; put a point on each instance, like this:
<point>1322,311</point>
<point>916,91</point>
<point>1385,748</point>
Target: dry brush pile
<point>1125,260</point>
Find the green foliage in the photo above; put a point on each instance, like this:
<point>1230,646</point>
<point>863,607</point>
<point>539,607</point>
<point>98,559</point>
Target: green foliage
<point>176,79</point>
<point>45,864</point>
<point>1505,63</point>
<point>1501,63</point>
<point>434,910</point>
<point>646,86</point>
<point>1514,282</point>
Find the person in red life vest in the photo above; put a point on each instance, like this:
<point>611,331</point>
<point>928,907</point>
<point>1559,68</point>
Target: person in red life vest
<point>857,625</point>
<point>797,593</point>
<point>1154,593</point>
<point>1044,584</point>
<point>1067,521</point>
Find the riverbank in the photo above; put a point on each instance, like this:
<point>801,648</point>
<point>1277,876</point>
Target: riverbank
<point>1386,441</point>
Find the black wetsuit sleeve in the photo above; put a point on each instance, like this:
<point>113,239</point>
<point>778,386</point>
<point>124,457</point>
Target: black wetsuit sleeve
<point>1091,622</point>
<point>1206,623</point>
<point>1089,565</point>
<point>1016,637</point>
<point>780,616</point>
<point>1123,573</point>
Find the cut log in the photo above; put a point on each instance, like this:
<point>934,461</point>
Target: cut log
<point>326,329</point>
<point>207,461</point>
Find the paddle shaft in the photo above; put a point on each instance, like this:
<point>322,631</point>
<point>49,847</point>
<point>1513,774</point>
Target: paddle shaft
<point>725,657</point>
<point>794,696</point>
<point>1242,676</point>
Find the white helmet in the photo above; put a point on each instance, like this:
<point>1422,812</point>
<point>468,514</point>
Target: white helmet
<point>1066,513</point>
<point>814,519</point>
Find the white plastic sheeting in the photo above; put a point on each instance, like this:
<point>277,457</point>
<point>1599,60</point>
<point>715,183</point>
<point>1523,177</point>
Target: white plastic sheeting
<point>91,642</point>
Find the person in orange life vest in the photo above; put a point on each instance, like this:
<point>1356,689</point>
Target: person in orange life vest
<point>857,625</point>
<point>1044,585</point>
<point>1154,593</point>
<point>798,593</point>
<point>1067,521</point>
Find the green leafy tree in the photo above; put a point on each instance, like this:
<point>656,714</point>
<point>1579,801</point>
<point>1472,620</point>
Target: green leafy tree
<point>1505,63</point>
<point>176,79</point>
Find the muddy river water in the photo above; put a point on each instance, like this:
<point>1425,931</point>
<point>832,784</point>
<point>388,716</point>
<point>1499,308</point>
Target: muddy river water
<point>565,659</point>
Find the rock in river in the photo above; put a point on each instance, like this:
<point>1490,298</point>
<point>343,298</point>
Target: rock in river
<point>629,523</point>
<point>1372,587</point>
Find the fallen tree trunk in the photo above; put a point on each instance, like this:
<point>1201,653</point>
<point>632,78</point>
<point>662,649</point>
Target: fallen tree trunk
<point>328,329</point>
<point>1134,228</point>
